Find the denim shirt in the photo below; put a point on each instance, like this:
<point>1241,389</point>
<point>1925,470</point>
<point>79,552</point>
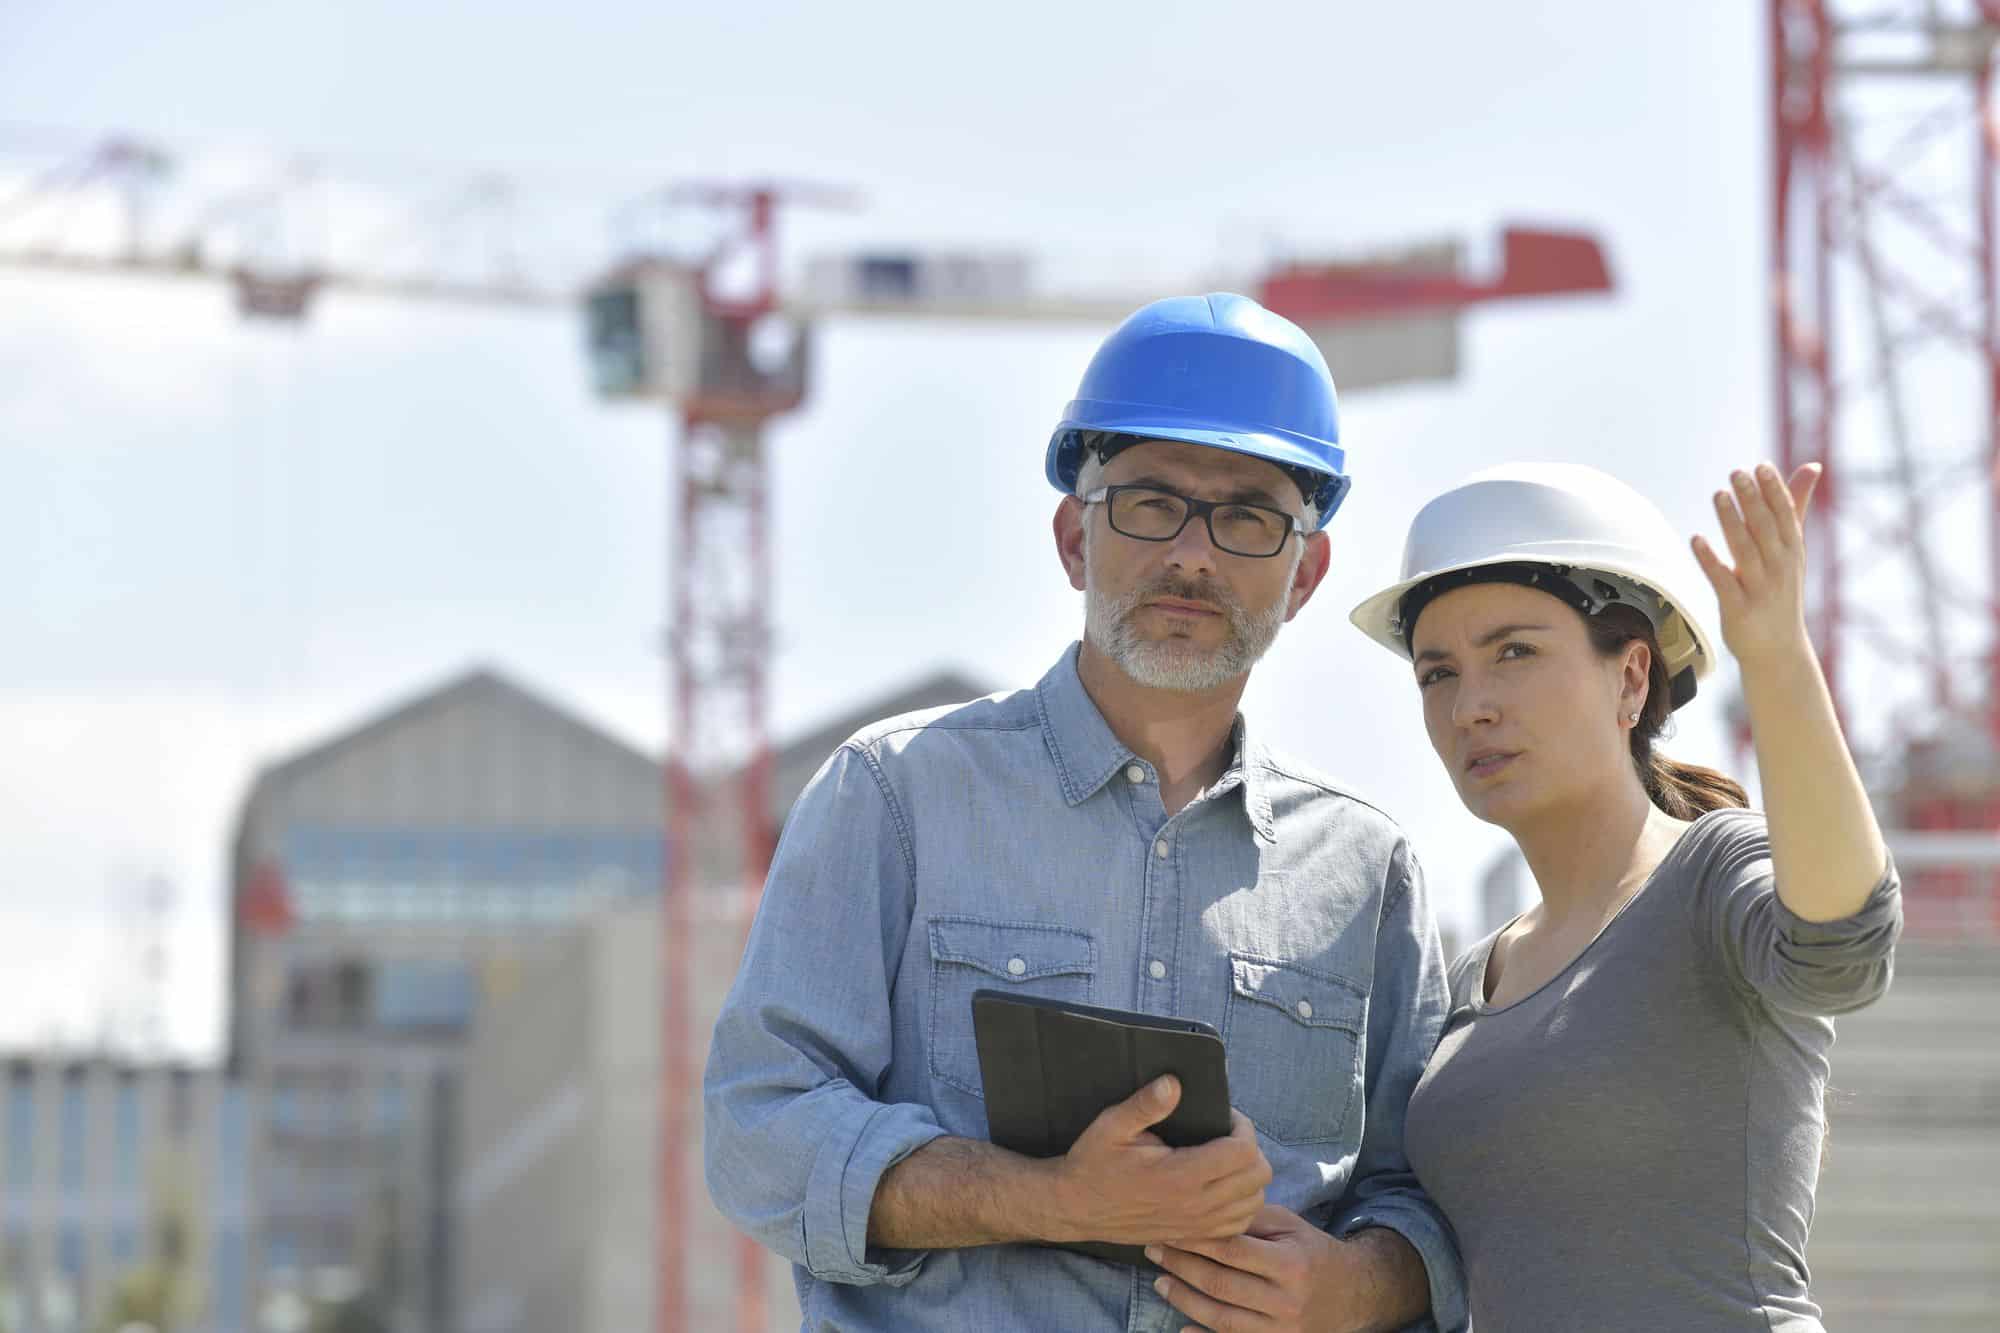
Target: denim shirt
<point>1015,842</point>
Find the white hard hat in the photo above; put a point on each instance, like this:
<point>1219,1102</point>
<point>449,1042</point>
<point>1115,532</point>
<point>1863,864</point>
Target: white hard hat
<point>1577,533</point>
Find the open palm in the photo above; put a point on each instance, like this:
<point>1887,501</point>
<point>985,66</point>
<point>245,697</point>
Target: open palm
<point>1761,588</point>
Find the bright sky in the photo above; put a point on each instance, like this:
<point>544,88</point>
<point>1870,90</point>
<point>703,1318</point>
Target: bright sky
<point>223,542</point>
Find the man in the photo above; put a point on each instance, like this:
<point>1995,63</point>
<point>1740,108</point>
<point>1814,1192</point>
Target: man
<point>1115,835</point>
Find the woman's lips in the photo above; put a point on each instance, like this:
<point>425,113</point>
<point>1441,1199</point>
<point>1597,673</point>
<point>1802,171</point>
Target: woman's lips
<point>1485,763</point>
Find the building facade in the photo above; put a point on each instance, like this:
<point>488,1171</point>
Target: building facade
<point>109,1169</point>
<point>559,1187</point>
<point>386,884</point>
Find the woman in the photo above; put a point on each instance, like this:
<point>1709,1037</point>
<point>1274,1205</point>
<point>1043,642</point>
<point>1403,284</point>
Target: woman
<point>1623,1119</point>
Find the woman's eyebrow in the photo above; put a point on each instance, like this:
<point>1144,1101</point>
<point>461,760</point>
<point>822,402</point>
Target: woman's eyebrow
<point>1491,636</point>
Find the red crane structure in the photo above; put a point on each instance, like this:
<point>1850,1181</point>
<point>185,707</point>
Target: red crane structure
<point>1886,340</point>
<point>715,340</point>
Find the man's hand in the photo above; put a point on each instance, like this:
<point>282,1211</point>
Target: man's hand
<point>1119,1183</point>
<point>1286,1274</point>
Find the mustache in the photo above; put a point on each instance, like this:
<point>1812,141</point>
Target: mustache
<point>1186,590</point>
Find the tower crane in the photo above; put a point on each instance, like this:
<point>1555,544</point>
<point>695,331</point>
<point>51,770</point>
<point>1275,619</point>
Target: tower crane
<point>715,339</point>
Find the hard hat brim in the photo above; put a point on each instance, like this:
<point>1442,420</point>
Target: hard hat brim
<point>1065,456</point>
<point>1376,616</point>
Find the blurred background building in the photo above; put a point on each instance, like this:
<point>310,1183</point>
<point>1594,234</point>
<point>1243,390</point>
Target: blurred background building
<point>563,1087</point>
<point>124,1195</point>
<point>387,881</point>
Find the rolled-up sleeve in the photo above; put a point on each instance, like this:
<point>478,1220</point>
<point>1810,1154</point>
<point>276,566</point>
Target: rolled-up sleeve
<point>795,1141</point>
<point>1799,966</point>
<point>1406,1014</point>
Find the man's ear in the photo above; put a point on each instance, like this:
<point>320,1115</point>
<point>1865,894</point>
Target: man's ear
<point>1068,526</point>
<point>1318,558</point>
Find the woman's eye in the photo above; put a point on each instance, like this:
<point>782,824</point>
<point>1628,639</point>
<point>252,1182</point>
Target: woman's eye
<point>1516,650</point>
<point>1431,677</point>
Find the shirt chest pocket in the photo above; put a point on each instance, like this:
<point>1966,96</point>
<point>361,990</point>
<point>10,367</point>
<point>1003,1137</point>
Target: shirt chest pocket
<point>1295,1049</point>
<point>968,954</point>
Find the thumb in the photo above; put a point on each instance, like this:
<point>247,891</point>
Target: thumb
<point>1804,481</point>
<point>1272,1221</point>
<point>1147,1107</point>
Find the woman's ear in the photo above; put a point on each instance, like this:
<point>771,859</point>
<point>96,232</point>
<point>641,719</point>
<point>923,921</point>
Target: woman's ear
<point>1634,678</point>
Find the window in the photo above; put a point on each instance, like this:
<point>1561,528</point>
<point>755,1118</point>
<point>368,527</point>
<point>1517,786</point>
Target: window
<point>125,1117</point>
<point>423,996</point>
<point>69,1252</point>
<point>125,1246</point>
<point>75,1131</point>
<point>180,1105</point>
<point>20,1129</point>
<point>288,1112</point>
<point>232,1148</point>
<point>350,988</point>
<point>231,1267</point>
<point>391,1106</point>
<point>281,1250</point>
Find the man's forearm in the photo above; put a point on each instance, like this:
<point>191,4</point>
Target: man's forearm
<point>953,1192</point>
<point>1391,1286</point>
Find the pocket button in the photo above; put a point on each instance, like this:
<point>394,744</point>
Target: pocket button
<point>1305,1009</point>
<point>1016,966</point>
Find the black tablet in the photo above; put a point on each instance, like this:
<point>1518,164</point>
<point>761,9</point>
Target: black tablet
<point>1048,1067</point>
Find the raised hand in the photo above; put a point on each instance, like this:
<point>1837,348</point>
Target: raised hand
<point>1762,595</point>
<point>1826,848</point>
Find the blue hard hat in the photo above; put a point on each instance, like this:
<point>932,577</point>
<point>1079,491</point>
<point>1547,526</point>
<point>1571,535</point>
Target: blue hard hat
<point>1218,370</point>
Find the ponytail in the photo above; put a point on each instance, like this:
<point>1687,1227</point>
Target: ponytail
<point>1680,790</point>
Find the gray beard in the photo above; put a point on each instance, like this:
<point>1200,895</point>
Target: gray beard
<point>1110,625</point>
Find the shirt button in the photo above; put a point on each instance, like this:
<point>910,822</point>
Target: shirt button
<point>1016,966</point>
<point>1160,849</point>
<point>1305,1009</point>
<point>1134,773</point>
<point>1157,970</point>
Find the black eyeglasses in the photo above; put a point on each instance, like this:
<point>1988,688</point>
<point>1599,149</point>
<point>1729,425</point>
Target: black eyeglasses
<point>1150,514</point>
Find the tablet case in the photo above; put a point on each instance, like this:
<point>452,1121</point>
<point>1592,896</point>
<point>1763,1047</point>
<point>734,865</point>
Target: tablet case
<point>1048,1067</point>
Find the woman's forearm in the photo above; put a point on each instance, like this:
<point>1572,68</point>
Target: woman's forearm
<point>1826,847</point>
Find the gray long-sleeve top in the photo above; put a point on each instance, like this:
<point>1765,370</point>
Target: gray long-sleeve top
<point>1634,1145</point>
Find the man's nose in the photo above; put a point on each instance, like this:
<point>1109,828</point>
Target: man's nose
<point>1192,548</point>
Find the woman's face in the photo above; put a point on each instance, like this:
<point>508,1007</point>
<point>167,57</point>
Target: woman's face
<point>1524,712</point>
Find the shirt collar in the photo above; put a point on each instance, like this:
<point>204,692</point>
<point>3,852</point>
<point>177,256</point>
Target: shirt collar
<point>1249,771</point>
<point>1087,752</point>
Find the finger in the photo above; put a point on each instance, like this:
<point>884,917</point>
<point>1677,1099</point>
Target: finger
<point>1742,549</point>
<point>1784,508</point>
<point>1220,1279</point>
<point>1242,1127</point>
<point>1721,577</point>
<point>1757,515</point>
<point>1804,482</point>
<point>1247,1173</point>
<point>1205,1309</point>
<point>1273,1220</point>
<point>1143,1109</point>
<point>1221,1158</point>
<point>1245,1253</point>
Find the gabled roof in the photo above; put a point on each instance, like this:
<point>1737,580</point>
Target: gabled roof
<point>481,692</point>
<point>944,686</point>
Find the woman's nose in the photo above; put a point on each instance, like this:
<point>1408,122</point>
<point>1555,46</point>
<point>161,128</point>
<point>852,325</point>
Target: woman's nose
<point>1473,703</point>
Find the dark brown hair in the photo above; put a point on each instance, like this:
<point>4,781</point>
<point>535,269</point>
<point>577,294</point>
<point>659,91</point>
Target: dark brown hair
<point>1680,790</point>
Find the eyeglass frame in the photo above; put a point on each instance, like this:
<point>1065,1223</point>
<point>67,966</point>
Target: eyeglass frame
<point>1204,509</point>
